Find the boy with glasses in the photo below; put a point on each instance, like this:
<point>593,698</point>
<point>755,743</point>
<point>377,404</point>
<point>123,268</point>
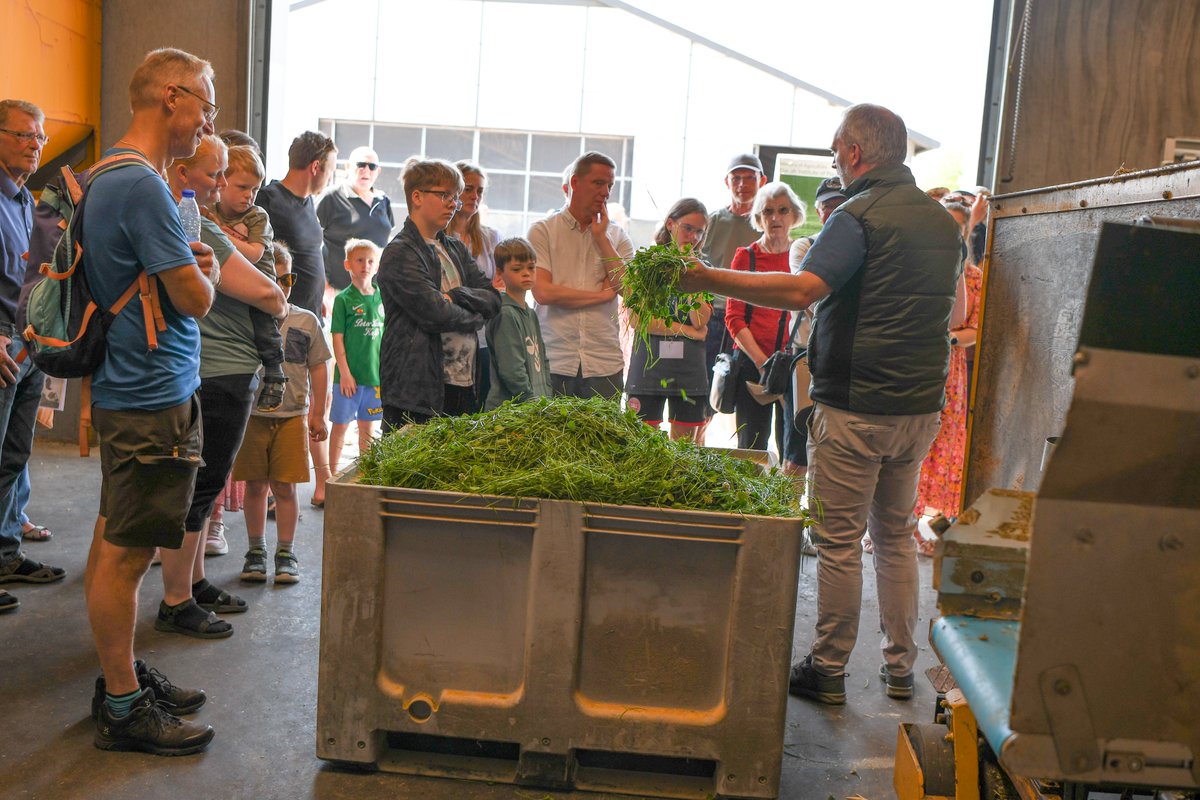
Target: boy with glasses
<point>274,452</point>
<point>435,298</point>
<point>249,230</point>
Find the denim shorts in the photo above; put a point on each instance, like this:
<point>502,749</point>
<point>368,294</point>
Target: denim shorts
<point>364,405</point>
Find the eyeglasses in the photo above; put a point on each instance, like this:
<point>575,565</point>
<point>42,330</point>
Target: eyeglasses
<point>367,165</point>
<point>211,110</point>
<point>27,136</point>
<point>287,280</point>
<point>447,197</point>
<point>692,230</point>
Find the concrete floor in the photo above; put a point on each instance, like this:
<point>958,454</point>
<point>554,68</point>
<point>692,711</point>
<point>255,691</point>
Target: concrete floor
<point>261,685</point>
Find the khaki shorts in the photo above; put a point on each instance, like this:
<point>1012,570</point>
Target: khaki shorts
<point>274,448</point>
<point>148,464</point>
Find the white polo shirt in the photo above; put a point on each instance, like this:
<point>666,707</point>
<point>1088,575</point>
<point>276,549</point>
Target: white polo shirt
<point>578,336</point>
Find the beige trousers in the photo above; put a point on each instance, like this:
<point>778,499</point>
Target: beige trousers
<point>863,471</point>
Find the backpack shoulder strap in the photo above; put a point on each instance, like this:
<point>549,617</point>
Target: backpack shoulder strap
<point>753,268</point>
<point>71,184</point>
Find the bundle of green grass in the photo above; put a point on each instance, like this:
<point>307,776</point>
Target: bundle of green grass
<point>650,286</point>
<point>570,449</point>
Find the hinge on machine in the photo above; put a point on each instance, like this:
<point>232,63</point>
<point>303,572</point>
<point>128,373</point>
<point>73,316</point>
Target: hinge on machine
<point>1070,722</point>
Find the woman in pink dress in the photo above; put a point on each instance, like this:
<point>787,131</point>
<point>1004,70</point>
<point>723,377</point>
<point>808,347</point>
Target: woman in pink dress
<point>940,487</point>
<point>941,474</point>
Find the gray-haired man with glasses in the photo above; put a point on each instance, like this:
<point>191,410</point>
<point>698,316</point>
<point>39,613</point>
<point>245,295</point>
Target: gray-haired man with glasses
<point>21,141</point>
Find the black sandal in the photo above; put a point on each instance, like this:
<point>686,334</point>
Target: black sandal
<point>190,620</point>
<point>271,397</point>
<point>213,598</point>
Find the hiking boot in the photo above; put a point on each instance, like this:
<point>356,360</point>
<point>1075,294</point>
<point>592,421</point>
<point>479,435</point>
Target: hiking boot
<point>271,396</point>
<point>25,570</point>
<point>150,729</point>
<point>8,602</point>
<point>805,681</point>
<point>254,568</point>
<point>174,699</point>
<point>287,568</point>
<point>899,688</point>
<point>214,540</point>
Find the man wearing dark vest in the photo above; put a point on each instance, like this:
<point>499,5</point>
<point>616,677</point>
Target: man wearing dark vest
<point>884,268</point>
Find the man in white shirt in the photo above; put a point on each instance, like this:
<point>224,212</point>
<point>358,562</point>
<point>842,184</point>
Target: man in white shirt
<point>580,260</point>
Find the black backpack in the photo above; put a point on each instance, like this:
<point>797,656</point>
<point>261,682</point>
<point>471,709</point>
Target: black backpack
<point>64,329</point>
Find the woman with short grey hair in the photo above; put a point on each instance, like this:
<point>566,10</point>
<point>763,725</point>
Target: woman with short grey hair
<point>759,332</point>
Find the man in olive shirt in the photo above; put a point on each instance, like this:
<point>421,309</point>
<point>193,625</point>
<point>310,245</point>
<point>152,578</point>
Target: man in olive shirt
<point>728,229</point>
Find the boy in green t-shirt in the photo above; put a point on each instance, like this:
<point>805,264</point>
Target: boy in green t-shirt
<point>357,329</point>
<point>518,363</point>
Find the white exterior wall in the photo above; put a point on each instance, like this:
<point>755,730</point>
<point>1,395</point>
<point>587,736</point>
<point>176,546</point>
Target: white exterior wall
<point>538,67</point>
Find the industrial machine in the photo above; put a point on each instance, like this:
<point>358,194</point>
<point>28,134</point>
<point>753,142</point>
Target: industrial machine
<point>1070,627</point>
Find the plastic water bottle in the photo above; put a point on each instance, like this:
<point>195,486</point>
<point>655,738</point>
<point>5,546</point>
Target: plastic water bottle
<point>189,215</point>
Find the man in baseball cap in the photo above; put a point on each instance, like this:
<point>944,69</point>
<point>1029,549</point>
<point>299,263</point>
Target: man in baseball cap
<point>728,229</point>
<point>829,196</point>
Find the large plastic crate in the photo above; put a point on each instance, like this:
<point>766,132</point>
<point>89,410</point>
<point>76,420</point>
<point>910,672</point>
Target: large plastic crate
<point>555,644</point>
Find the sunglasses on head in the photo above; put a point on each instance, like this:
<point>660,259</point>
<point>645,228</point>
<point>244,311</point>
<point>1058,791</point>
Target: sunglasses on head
<point>286,280</point>
<point>367,165</point>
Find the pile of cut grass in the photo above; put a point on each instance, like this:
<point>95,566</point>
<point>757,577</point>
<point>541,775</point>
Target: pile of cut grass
<point>650,286</point>
<point>570,449</point>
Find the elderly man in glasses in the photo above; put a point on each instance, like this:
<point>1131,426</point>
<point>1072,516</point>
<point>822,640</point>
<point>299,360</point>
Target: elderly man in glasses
<point>355,209</point>
<point>884,270</point>
<point>21,141</point>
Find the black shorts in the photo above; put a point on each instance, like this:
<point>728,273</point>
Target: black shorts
<point>148,465</point>
<point>689,413</point>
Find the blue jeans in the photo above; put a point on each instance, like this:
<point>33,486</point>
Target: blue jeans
<point>23,492</point>
<point>18,414</point>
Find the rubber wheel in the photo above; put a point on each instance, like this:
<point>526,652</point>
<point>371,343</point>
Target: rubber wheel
<point>935,755</point>
<point>994,783</point>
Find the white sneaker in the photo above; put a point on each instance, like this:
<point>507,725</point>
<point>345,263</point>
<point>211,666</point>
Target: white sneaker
<point>806,545</point>
<point>214,542</point>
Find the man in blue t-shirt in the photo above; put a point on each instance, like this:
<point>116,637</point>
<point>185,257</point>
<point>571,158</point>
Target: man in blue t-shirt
<point>144,404</point>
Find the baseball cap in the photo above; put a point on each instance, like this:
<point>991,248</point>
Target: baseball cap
<point>830,189</point>
<point>745,161</point>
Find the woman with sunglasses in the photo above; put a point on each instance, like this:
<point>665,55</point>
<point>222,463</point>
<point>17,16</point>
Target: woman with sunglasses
<point>669,370</point>
<point>467,226</point>
<point>355,209</point>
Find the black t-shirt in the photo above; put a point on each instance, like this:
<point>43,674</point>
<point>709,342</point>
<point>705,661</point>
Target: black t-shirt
<point>295,222</point>
<point>345,216</point>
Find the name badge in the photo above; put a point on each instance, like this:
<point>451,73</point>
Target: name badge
<point>670,349</point>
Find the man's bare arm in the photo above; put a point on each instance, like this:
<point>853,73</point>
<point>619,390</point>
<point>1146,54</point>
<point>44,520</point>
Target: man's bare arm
<point>766,289</point>
<point>548,293</point>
